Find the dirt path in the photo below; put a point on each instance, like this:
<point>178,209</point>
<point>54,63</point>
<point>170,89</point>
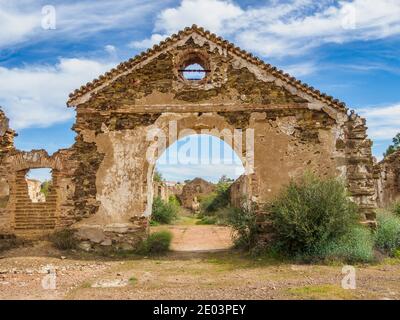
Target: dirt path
<point>198,237</point>
<point>185,275</point>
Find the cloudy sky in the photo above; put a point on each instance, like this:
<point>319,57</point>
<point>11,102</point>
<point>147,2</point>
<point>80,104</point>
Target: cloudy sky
<point>348,49</point>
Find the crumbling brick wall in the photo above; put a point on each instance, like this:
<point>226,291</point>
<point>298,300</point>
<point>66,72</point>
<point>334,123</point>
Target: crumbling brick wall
<point>6,147</point>
<point>104,186</point>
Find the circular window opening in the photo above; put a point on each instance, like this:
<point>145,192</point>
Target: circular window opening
<point>194,72</point>
<point>194,67</point>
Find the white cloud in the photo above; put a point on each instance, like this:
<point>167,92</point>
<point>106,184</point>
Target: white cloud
<point>35,96</point>
<point>212,14</point>
<point>383,122</point>
<point>21,20</point>
<point>289,28</point>
<point>15,26</point>
<point>148,43</point>
<point>300,69</point>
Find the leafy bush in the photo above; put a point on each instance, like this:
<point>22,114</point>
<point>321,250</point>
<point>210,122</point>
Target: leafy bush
<point>310,213</point>
<point>245,226</point>
<point>219,199</point>
<point>64,240</point>
<point>357,245</point>
<point>396,208</point>
<point>173,199</point>
<point>158,176</point>
<point>46,187</point>
<point>157,243</point>
<point>164,212</point>
<point>387,236</point>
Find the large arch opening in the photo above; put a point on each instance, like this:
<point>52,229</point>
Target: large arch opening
<point>192,181</point>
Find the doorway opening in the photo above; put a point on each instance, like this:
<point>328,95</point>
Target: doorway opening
<point>191,192</point>
<point>39,182</point>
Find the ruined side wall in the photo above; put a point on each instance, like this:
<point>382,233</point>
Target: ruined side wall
<point>360,167</point>
<point>6,147</point>
<point>240,192</point>
<point>387,180</point>
<point>27,218</point>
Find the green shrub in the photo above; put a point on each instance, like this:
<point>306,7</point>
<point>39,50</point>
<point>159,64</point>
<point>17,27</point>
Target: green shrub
<point>173,199</point>
<point>156,243</point>
<point>387,235</point>
<point>246,229</point>
<point>64,240</point>
<point>217,200</point>
<point>207,220</point>
<point>357,245</point>
<point>309,213</point>
<point>396,208</point>
<point>164,212</point>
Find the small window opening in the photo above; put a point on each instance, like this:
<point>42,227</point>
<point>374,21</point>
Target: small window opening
<point>194,72</point>
<point>40,183</point>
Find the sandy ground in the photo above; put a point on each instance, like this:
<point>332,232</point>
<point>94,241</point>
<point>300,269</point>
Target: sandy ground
<point>199,237</point>
<point>221,274</point>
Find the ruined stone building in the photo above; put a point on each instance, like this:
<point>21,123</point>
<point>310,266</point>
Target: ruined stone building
<point>102,185</point>
<point>34,190</point>
<point>193,191</point>
<point>165,189</point>
<point>387,174</point>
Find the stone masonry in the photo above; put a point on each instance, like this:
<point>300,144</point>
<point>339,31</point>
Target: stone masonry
<point>103,185</point>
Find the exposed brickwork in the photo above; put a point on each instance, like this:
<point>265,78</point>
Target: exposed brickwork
<point>359,164</point>
<point>103,183</point>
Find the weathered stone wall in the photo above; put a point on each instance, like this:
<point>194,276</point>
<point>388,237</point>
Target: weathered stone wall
<point>6,147</point>
<point>104,182</point>
<point>241,193</point>
<point>359,167</point>
<point>24,217</point>
<point>34,190</point>
<point>165,190</point>
<point>387,183</point>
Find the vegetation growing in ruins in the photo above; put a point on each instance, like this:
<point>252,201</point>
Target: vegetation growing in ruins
<point>158,176</point>
<point>310,213</point>
<point>46,187</point>
<point>64,240</point>
<point>311,219</point>
<point>214,208</point>
<point>387,236</point>
<point>393,147</point>
<point>156,243</point>
<point>164,212</point>
<point>244,222</point>
<point>396,208</point>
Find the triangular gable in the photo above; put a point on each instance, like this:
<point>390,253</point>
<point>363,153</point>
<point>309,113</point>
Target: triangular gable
<point>84,92</point>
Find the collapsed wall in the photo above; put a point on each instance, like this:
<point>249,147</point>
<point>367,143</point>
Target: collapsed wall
<point>387,174</point>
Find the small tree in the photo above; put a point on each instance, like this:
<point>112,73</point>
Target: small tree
<point>158,176</point>
<point>393,147</point>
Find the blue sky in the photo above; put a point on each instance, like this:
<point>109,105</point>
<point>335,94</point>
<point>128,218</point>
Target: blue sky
<point>348,49</point>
